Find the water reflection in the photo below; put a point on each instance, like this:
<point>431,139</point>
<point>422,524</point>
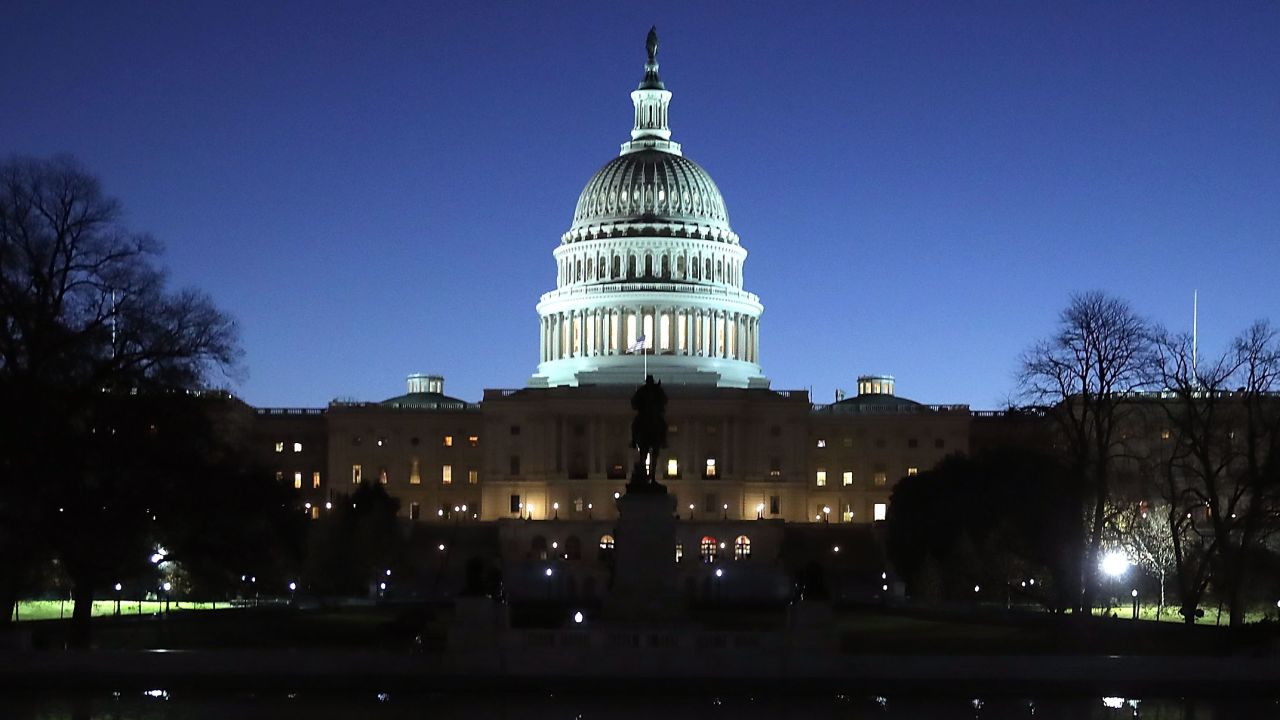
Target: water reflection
<point>174,705</point>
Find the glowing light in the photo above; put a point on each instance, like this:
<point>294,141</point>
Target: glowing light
<point>720,571</point>
<point>119,587</point>
<point>1114,564</point>
<point>382,586</point>
<point>1133,593</point>
<point>617,495</point>
<point>328,506</point>
<point>977,588</point>
<point>577,617</point>
<point>548,572</point>
<point>293,586</point>
<point>835,548</point>
<point>555,545</point>
<point>440,547</point>
<point>167,587</point>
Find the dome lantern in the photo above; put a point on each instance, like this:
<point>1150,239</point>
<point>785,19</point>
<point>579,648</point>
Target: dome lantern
<point>651,100</point>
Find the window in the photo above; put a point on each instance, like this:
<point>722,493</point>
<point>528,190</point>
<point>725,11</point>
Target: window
<point>606,542</point>
<point>315,512</point>
<point>847,442</point>
<point>707,549</point>
<point>515,465</point>
<point>846,514</point>
<point>673,468</point>
<point>939,443</point>
<point>912,471</point>
<point>578,505</point>
<point>297,447</point>
<point>711,468</point>
<point>383,477</point>
<point>447,441</point>
<point>473,477</point>
<point>279,476</point>
<point>280,447</point>
<point>913,442</point>
<point>446,475</point>
<point>679,552</point>
<point>414,511</point>
<point>775,504</point>
<point>846,479</point>
<point>297,480</point>
<point>879,479</point>
<point>355,474</point>
<point>709,503</point>
<point>1164,434</point>
<point>742,548</point>
<point>315,479</point>
<point>515,429</point>
<point>473,440</point>
<point>822,443</point>
<point>821,477</point>
<point>516,506</point>
<point>415,472</point>
<point>881,511</point>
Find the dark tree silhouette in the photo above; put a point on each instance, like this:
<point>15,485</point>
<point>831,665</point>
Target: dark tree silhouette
<point>1084,377</point>
<point>85,322</point>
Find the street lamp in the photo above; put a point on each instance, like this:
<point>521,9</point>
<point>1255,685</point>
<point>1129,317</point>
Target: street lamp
<point>556,507</point>
<point>826,514</point>
<point>1134,594</point>
<point>589,506</point>
<point>1114,564</point>
<point>167,587</point>
<point>690,511</point>
<point>119,587</point>
<point>726,511</point>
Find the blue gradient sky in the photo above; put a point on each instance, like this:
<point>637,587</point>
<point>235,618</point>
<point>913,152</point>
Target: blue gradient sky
<point>374,189</point>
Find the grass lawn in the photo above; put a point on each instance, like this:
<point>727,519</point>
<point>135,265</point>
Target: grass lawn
<point>56,609</point>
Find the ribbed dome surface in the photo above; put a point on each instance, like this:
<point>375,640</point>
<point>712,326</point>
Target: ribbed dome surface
<point>651,185</point>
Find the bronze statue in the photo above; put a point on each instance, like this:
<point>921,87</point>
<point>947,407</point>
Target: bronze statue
<point>651,44</point>
<point>648,435</point>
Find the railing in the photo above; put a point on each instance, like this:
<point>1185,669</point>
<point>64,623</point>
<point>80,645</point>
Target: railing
<point>580,291</point>
<point>289,411</point>
<point>885,409</point>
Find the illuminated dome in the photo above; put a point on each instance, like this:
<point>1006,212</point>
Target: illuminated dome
<point>646,187</point>
<point>649,274</point>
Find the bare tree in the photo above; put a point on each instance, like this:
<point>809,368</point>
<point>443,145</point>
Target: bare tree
<point>1223,428</point>
<point>1144,534</point>
<point>84,315</point>
<point>1084,378</point>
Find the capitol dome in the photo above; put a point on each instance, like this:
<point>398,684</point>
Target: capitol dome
<point>649,274</point>
<point>650,186</point>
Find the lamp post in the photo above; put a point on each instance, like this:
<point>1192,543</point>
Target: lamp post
<point>690,511</point>
<point>726,511</point>
<point>1134,594</point>
<point>556,507</point>
<point>119,587</point>
<point>589,506</point>
<point>826,514</point>
<point>1114,565</point>
<point>167,587</point>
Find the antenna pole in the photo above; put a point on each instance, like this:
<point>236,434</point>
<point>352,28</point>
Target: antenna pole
<point>1195,328</point>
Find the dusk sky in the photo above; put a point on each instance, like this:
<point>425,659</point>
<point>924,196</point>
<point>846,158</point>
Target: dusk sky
<point>374,189</point>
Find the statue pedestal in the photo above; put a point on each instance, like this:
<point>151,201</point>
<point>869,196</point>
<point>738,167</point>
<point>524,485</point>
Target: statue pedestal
<point>644,557</point>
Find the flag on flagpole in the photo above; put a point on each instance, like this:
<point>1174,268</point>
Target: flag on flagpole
<point>637,346</point>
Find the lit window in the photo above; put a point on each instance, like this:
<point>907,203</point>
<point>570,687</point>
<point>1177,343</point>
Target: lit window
<point>707,549</point>
<point>383,477</point>
<point>673,468</point>
<point>279,476</point>
<point>912,471</point>
<point>847,514</point>
<point>679,552</point>
<point>297,447</point>
<point>315,512</point>
<point>315,479</point>
<point>297,480</point>
<point>846,479</point>
<point>355,474</point>
<point>821,477</point>
<point>414,511</point>
<point>415,472</point>
<point>742,548</point>
<point>711,467</point>
<point>606,542</point>
<point>822,443</point>
<point>473,440</point>
<point>881,511</point>
<point>775,467</point>
<point>448,441</point>
<point>279,447</point>
<point>847,442</point>
<point>473,477</point>
<point>516,505</point>
<point>1164,434</point>
<point>446,475</point>
<point>879,479</point>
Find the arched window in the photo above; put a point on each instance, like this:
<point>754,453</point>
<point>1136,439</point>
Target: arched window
<point>577,271</point>
<point>666,268</point>
<point>742,548</point>
<point>539,547</point>
<point>680,267</point>
<point>720,270</point>
<point>707,272</point>
<point>617,267</point>
<point>707,549</point>
<point>697,269</point>
<point>606,542</point>
<point>648,265</point>
<point>631,267</point>
<point>590,269</point>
